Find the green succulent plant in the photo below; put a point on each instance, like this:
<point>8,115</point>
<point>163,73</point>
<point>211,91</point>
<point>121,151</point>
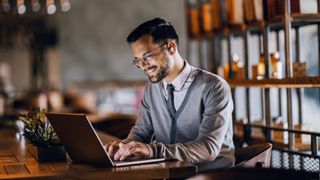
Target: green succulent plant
<point>38,130</point>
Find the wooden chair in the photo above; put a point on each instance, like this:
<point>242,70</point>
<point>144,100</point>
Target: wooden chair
<point>258,155</point>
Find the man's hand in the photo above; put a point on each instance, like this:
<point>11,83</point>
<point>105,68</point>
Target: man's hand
<point>121,151</point>
<point>112,148</point>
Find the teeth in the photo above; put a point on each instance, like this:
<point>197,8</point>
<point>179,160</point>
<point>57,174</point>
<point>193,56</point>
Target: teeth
<point>150,70</point>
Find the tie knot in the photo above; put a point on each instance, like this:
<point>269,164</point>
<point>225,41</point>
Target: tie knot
<point>170,87</point>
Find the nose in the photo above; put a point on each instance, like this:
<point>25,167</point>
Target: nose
<point>144,64</point>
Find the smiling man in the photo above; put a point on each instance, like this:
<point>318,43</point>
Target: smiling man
<point>185,113</point>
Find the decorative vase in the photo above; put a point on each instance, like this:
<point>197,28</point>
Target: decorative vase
<point>47,154</point>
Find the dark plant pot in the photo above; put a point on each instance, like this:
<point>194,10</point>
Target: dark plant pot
<point>48,154</point>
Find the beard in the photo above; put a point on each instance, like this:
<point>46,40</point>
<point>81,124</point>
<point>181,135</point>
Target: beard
<point>163,70</point>
<point>161,74</point>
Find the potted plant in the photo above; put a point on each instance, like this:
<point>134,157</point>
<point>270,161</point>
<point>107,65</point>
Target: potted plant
<point>45,145</point>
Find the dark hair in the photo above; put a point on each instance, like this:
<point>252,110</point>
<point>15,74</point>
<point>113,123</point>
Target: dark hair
<point>158,28</point>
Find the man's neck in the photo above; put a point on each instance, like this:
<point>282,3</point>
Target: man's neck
<point>176,70</point>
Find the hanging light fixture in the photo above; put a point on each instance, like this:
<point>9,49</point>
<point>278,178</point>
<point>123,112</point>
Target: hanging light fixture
<point>21,7</point>
<point>35,5</point>
<point>65,5</point>
<point>6,6</point>
<point>51,7</point>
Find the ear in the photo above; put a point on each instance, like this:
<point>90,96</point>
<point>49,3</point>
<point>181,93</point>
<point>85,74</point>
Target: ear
<point>172,47</point>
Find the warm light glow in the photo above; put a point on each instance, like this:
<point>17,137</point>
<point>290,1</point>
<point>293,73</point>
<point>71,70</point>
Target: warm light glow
<point>6,5</point>
<point>21,7</point>
<point>51,7</point>
<point>65,5</point>
<point>35,5</point>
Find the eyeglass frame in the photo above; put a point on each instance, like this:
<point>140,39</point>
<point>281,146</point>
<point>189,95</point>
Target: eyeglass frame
<point>138,61</point>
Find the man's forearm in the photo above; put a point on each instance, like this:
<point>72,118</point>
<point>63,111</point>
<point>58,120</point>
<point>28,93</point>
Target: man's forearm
<point>193,152</point>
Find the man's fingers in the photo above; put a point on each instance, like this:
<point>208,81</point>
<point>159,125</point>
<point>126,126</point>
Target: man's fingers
<point>131,148</point>
<point>112,147</point>
<point>120,145</point>
<point>122,149</point>
<point>127,153</point>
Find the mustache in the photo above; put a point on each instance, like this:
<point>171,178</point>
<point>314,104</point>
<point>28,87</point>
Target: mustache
<point>150,67</point>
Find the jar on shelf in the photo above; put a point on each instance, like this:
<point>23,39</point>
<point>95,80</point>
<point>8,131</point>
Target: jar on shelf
<point>299,69</point>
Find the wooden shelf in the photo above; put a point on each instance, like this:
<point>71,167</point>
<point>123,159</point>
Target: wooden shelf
<point>275,23</point>
<point>110,84</point>
<point>305,82</point>
<point>297,20</point>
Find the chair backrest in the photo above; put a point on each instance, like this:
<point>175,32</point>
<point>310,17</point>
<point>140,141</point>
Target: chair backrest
<point>255,174</point>
<point>257,155</point>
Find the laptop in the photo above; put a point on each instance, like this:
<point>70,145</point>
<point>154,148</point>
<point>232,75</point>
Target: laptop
<point>82,142</point>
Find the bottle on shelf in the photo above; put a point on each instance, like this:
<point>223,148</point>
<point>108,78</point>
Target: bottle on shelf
<point>193,19</point>
<point>276,65</point>
<point>248,10</point>
<point>253,10</point>
<point>258,10</point>
<point>235,11</point>
<point>261,68</point>
<point>215,14</point>
<point>236,68</point>
<point>226,71</point>
<point>205,16</point>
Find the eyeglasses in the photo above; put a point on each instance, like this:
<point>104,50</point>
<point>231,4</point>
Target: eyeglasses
<point>147,58</point>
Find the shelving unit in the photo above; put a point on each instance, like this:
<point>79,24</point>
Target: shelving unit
<point>301,82</point>
<point>289,83</point>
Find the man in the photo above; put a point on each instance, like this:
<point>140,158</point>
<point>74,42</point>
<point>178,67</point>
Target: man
<point>185,113</point>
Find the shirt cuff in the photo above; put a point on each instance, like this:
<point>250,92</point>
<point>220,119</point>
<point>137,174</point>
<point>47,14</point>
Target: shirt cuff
<point>151,153</point>
<point>157,149</point>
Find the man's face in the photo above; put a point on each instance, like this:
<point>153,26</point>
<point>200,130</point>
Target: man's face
<point>152,58</point>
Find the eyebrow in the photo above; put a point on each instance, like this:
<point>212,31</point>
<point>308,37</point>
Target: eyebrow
<point>144,54</point>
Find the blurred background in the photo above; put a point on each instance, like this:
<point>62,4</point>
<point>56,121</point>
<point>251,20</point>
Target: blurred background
<point>72,56</point>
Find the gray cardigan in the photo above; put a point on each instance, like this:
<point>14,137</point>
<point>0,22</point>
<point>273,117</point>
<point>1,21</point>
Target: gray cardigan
<point>203,129</point>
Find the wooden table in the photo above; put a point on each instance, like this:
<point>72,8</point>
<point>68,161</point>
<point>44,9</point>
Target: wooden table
<point>16,162</point>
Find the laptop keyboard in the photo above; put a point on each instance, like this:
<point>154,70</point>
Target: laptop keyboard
<point>130,159</point>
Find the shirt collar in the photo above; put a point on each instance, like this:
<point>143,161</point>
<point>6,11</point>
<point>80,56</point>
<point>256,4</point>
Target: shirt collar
<point>180,80</point>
